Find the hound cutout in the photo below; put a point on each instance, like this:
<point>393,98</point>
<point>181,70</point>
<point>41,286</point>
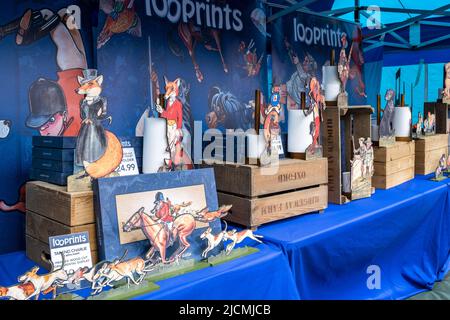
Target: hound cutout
<point>213,240</point>
<point>17,292</point>
<point>209,216</point>
<point>118,270</point>
<point>46,283</point>
<point>238,237</point>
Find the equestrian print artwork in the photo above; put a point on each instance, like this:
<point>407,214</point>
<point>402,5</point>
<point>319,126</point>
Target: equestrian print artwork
<point>168,226</point>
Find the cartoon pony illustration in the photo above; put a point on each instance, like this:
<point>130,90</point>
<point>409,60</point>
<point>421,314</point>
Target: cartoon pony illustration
<point>191,35</point>
<point>225,109</point>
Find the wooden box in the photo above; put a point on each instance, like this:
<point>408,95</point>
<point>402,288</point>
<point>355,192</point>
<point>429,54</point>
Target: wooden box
<point>393,165</point>
<point>440,110</point>
<point>340,124</point>
<point>52,211</point>
<point>429,149</point>
<point>297,187</point>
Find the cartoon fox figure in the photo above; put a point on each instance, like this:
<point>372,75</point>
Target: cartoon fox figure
<point>91,88</point>
<point>174,116</point>
<point>92,140</point>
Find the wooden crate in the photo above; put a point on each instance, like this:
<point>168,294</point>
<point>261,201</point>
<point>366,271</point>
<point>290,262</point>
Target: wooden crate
<point>54,202</point>
<point>429,150</point>
<point>393,165</point>
<point>297,187</point>
<point>337,143</point>
<point>251,180</point>
<point>52,211</point>
<point>39,252</point>
<point>42,228</point>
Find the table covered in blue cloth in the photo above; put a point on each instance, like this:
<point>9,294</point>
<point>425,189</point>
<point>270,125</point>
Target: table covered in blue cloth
<point>400,237</point>
<point>262,275</point>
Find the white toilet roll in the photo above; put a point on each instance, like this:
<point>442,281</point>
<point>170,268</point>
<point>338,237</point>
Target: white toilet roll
<point>375,133</point>
<point>402,121</point>
<point>331,83</point>
<point>332,91</point>
<point>299,137</point>
<point>255,145</point>
<point>330,74</point>
<point>155,144</point>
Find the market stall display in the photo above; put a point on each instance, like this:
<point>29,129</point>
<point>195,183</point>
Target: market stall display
<point>242,133</point>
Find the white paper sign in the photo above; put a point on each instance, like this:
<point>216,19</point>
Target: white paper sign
<point>277,143</point>
<point>129,166</point>
<point>76,250</point>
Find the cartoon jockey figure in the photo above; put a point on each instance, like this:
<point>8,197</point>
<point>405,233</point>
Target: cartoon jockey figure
<point>162,211</point>
<point>48,109</point>
<point>174,116</point>
<point>271,122</point>
<point>317,106</point>
<point>54,105</point>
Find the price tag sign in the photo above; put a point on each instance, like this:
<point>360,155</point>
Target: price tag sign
<point>129,166</point>
<point>278,144</point>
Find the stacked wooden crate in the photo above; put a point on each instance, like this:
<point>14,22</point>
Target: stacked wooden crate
<point>52,211</point>
<point>261,195</point>
<point>429,150</point>
<point>393,165</point>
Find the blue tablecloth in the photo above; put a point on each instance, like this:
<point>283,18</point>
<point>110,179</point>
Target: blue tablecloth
<point>262,275</point>
<point>405,231</point>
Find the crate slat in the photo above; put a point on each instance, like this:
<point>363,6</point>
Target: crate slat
<point>395,179</point>
<point>42,228</point>
<point>258,211</point>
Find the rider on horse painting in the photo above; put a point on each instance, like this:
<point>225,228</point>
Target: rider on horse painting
<point>163,211</point>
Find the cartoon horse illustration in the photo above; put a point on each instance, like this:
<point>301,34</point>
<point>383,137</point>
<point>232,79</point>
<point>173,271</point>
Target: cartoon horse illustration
<point>190,35</point>
<point>158,235</point>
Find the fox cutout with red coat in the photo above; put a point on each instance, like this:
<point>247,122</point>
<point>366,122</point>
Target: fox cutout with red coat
<point>179,159</point>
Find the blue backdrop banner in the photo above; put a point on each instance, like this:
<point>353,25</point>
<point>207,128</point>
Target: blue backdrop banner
<point>302,43</point>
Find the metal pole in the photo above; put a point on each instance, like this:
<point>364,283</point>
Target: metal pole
<point>357,14</point>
